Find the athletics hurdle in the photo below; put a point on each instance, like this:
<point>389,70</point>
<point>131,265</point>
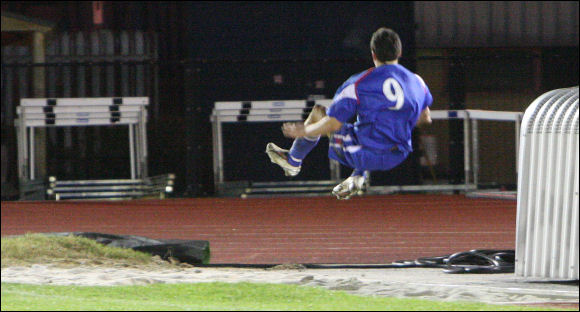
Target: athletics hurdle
<point>265,111</point>
<point>298,110</point>
<point>547,208</point>
<point>465,187</point>
<point>502,116</point>
<point>83,112</point>
<point>470,119</point>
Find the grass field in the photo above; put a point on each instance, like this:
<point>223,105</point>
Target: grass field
<point>35,248</point>
<point>217,297</point>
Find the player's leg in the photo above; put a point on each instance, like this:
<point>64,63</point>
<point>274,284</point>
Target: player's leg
<point>301,147</point>
<point>342,146</point>
<point>354,184</point>
<point>291,160</point>
<point>361,158</point>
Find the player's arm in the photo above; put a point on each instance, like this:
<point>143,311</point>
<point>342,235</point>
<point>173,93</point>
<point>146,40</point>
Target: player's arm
<point>425,117</point>
<point>324,126</point>
<point>342,109</point>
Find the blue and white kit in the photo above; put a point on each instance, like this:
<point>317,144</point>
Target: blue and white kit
<point>387,102</point>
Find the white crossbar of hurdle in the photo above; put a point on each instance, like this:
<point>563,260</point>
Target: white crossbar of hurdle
<point>298,110</point>
<point>81,112</point>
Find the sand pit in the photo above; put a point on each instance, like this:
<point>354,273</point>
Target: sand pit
<point>423,283</point>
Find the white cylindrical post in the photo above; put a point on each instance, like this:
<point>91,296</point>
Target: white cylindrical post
<point>475,148</point>
<point>466,156</point>
<point>31,157</point>
<point>132,150</point>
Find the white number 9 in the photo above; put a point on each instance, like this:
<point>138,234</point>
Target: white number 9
<point>394,93</point>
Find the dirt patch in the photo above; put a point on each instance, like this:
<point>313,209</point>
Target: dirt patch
<point>288,266</point>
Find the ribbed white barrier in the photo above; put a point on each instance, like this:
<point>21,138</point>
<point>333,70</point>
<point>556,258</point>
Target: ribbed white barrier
<point>547,208</point>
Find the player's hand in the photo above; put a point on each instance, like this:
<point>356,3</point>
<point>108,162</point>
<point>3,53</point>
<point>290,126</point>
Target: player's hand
<point>293,129</point>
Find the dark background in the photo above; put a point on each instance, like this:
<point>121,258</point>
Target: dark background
<point>217,51</point>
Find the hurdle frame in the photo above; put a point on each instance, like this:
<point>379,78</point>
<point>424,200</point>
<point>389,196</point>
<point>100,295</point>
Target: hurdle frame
<point>258,111</point>
<point>81,112</point>
<point>298,110</point>
<point>475,116</point>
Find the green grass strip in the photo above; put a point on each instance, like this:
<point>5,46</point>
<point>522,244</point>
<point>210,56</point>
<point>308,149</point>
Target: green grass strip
<point>218,296</point>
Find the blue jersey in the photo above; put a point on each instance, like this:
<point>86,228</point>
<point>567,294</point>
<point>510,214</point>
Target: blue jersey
<point>387,102</point>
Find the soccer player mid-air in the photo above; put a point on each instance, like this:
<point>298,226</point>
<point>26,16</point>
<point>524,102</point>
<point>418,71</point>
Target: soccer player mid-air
<point>388,101</point>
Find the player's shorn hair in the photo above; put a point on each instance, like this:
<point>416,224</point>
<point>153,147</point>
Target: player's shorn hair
<point>386,44</point>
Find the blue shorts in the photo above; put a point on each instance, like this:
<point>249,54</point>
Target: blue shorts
<point>344,148</point>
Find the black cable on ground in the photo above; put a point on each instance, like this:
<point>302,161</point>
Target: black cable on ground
<point>473,261</point>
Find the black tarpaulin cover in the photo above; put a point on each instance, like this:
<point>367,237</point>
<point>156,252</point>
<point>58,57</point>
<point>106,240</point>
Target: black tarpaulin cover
<point>187,251</point>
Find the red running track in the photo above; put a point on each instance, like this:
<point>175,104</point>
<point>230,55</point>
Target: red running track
<point>363,230</point>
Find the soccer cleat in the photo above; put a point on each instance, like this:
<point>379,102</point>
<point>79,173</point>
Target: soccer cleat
<point>349,187</point>
<point>279,156</point>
